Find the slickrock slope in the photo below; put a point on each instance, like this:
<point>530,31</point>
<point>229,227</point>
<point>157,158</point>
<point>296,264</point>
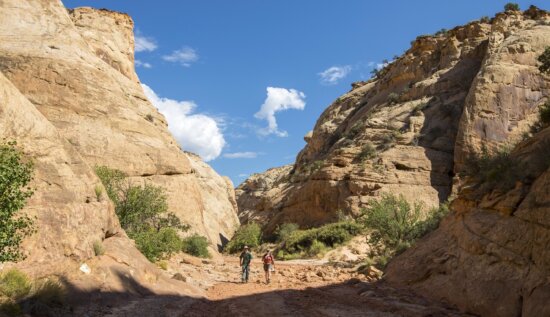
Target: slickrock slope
<point>409,130</point>
<point>69,218</point>
<point>77,69</point>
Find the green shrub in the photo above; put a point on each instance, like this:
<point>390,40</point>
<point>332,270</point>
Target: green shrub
<point>330,235</point>
<point>355,130</point>
<point>157,245</point>
<point>142,212</point>
<point>98,248</point>
<point>285,230</point>
<point>393,98</point>
<point>368,151</point>
<point>15,176</point>
<point>544,114</point>
<point>511,6</point>
<point>14,284</point>
<point>112,180</point>
<point>196,245</point>
<point>48,291</point>
<point>316,248</point>
<point>397,224</point>
<point>485,19</point>
<point>249,235</point>
<point>98,192</point>
<point>388,140</point>
<point>163,265</point>
<point>499,170</point>
<point>441,32</point>
<point>544,59</point>
<point>149,118</point>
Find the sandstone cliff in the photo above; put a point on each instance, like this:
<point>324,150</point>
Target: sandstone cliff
<point>71,99</point>
<point>408,130</point>
<point>77,69</point>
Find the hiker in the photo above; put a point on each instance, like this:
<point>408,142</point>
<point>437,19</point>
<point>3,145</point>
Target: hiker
<point>245,259</point>
<point>268,265</point>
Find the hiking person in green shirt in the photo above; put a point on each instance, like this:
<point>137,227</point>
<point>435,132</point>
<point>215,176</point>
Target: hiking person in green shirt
<point>245,259</point>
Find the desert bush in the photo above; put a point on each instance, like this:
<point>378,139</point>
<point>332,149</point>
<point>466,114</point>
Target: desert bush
<point>14,284</point>
<point>511,6</point>
<point>316,248</point>
<point>15,176</point>
<point>48,291</point>
<point>143,213</point>
<point>157,245</point>
<point>544,59</point>
<point>544,118</point>
<point>499,170</point>
<point>98,192</point>
<point>330,235</point>
<point>485,19</point>
<point>149,118</point>
<point>368,151</point>
<point>249,235</point>
<point>388,140</point>
<point>355,130</point>
<point>441,32</point>
<point>285,230</point>
<point>163,265</point>
<point>196,245</point>
<point>393,98</point>
<point>98,248</point>
<point>112,180</point>
<point>314,166</point>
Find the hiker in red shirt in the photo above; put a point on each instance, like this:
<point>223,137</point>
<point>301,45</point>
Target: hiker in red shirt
<point>268,265</point>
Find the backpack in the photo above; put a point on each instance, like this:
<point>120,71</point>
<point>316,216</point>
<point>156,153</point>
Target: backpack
<point>268,259</point>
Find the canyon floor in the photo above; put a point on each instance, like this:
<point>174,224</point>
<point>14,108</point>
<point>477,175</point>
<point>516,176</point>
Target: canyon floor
<point>298,288</point>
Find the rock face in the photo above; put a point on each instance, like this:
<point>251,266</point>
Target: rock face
<point>77,69</point>
<point>409,130</point>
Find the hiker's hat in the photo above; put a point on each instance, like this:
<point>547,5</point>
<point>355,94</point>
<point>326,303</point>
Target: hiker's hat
<point>246,247</point>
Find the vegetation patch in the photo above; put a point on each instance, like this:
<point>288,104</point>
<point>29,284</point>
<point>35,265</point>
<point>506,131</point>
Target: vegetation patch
<point>312,242</point>
<point>98,248</point>
<point>396,224</point>
<point>511,6</point>
<point>368,151</point>
<point>15,175</point>
<point>249,235</point>
<point>196,245</point>
<point>37,297</point>
<point>499,170</point>
<point>544,60</point>
<point>143,213</point>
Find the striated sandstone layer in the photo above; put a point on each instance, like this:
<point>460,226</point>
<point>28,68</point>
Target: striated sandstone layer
<point>409,130</point>
<point>77,69</point>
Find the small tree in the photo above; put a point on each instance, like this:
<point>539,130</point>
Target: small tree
<point>249,235</point>
<point>15,176</point>
<point>544,59</point>
<point>511,6</point>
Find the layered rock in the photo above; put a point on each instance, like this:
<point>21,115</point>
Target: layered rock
<point>77,69</point>
<point>408,130</point>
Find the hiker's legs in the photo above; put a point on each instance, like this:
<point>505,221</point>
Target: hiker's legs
<point>245,273</point>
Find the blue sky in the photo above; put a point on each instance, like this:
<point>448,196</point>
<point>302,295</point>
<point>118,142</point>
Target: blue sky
<point>208,64</point>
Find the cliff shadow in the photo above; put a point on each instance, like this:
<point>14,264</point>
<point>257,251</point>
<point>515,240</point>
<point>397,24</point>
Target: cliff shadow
<point>351,298</point>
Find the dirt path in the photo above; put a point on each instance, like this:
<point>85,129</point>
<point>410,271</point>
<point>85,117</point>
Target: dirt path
<point>304,288</point>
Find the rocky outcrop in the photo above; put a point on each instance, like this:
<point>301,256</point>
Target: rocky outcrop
<point>490,256</point>
<point>409,130</point>
<point>77,69</point>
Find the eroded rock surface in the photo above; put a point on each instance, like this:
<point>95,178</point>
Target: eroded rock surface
<point>77,69</point>
<point>409,130</point>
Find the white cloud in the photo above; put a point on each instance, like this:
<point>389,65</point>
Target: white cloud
<point>143,43</point>
<point>279,99</point>
<point>243,175</point>
<point>197,133</point>
<point>333,74</point>
<point>237,155</point>
<point>142,64</point>
<point>184,56</point>
<point>370,64</point>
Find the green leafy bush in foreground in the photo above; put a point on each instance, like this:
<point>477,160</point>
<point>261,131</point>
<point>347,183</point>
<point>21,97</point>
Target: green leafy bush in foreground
<point>249,235</point>
<point>15,176</point>
<point>196,245</point>
<point>285,230</point>
<point>14,284</point>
